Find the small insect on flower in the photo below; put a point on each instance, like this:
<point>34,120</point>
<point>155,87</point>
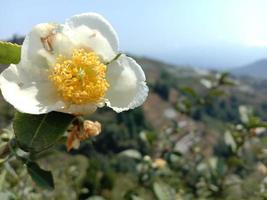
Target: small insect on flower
<point>73,68</point>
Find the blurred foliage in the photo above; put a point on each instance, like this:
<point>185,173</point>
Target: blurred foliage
<point>214,147</point>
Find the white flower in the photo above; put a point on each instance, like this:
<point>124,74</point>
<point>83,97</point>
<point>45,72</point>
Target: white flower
<point>74,68</point>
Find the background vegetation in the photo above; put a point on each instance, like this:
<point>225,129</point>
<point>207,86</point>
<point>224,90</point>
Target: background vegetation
<point>199,135</point>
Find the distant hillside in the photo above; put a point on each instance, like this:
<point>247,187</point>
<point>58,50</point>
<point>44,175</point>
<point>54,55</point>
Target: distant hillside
<point>256,69</point>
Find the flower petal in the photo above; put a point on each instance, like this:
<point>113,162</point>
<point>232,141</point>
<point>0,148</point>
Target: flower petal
<point>33,49</point>
<point>95,21</point>
<point>84,37</point>
<point>26,95</point>
<point>128,88</point>
<point>79,109</point>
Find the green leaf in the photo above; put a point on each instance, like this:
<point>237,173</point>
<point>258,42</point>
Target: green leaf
<point>215,93</point>
<point>95,198</point>
<point>131,153</point>
<point>9,53</point>
<point>41,177</point>
<point>2,179</point>
<point>190,91</point>
<point>220,168</point>
<point>7,195</point>
<point>36,133</point>
<point>230,141</point>
<point>163,191</point>
<point>134,197</point>
<point>224,79</point>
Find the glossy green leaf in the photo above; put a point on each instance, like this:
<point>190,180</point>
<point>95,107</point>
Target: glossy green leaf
<point>42,178</point>
<point>9,53</point>
<point>36,133</point>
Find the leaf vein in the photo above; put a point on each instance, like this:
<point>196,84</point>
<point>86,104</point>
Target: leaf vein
<point>38,129</point>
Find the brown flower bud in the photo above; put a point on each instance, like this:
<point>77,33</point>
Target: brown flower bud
<point>78,134</point>
<point>90,129</point>
<point>159,163</point>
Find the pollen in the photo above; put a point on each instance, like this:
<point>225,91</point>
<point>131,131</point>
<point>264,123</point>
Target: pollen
<point>81,78</point>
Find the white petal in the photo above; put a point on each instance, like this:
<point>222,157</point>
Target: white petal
<point>84,37</point>
<point>32,52</point>
<point>79,109</point>
<point>128,88</point>
<point>26,95</point>
<point>63,42</point>
<point>96,22</point>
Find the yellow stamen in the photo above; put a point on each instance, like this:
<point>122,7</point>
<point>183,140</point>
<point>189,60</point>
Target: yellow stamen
<point>81,79</point>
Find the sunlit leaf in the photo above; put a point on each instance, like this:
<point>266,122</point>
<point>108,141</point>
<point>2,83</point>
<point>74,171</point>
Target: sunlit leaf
<point>9,53</point>
<point>207,83</point>
<point>134,197</point>
<point>229,140</point>
<point>131,153</point>
<point>163,191</point>
<point>225,80</point>
<point>2,179</point>
<point>189,91</point>
<point>95,198</point>
<point>215,93</point>
<point>244,113</point>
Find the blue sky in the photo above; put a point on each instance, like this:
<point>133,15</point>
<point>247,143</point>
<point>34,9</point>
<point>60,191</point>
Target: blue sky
<point>205,33</point>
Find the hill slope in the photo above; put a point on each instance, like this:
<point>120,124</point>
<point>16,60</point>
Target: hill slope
<point>256,69</point>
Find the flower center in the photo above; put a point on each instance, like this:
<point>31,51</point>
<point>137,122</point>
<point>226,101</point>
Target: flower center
<point>81,79</point>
